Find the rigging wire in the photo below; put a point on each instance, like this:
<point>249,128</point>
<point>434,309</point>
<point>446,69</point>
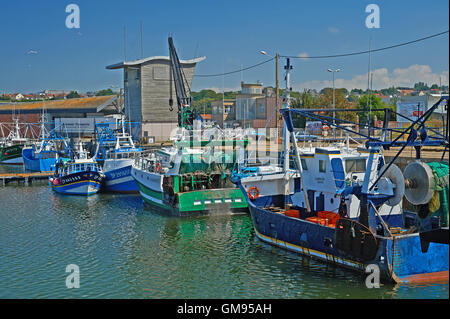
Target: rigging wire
<point>364,52</point>
<point>326,56</point>
<point>236,71</point>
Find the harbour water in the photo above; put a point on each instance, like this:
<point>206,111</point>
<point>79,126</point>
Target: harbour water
<point>124,250</point>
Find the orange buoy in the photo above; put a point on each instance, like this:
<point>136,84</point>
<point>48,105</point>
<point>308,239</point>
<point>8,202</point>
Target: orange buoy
<point>253,192</point>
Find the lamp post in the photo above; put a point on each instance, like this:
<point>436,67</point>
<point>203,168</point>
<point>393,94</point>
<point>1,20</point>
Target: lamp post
<point>277,89</point>
<point>334,103</point>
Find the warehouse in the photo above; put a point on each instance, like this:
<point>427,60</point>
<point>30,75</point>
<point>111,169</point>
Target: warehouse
<point>81,110</point>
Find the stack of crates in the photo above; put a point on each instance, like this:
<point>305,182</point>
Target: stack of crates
<point>325,218</point>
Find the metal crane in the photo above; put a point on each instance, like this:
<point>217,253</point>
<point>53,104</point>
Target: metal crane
<point>186,114</point>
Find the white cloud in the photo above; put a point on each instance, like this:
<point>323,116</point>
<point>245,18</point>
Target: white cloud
<point>303,55</point>
<point>333,30</point>
<point>382,78</point>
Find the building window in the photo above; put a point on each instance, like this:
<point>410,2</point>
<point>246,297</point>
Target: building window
<point>262,108</point>
<point>322,166</point>
<point>215,110</point>
<point>229,110</point>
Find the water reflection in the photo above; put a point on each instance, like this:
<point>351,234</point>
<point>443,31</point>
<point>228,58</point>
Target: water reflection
<point>126,251</point>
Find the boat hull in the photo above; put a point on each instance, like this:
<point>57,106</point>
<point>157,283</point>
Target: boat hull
<point>120,181</point>
<point>11,154</point>
<point>399,258</point>
<point>83,183</point>
<point>199,202</point>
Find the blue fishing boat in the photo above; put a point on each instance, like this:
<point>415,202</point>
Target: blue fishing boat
<point>38,159</point>
<point>81,176</point>
<point>117,156</point>
<point>43,155</point>
<point>345,206</point>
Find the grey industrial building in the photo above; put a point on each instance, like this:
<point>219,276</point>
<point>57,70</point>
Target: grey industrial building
<point>147,85</point>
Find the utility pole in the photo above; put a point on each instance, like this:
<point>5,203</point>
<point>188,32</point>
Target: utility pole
<point>334,103</point>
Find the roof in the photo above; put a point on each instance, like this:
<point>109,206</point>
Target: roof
<point>206,116</point>
<point>153,58</point>
<point>93,103</point>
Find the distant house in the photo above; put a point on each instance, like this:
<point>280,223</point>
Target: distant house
<point>386,99</point>
<point>18,96</point>
<point>313,93</point>
<point>206,117</point>
<point>224,113</point>
<point>405,91</point>
<point>269,91</point>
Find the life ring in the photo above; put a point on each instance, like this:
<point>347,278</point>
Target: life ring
<point>158,167</point>
<point>253,192</point>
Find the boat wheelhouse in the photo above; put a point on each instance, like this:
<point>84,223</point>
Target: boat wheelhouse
<point>119,155</point>
<point>11,146</point>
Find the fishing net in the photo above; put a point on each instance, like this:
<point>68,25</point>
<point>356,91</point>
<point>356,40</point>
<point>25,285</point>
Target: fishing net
<point>438,206</point>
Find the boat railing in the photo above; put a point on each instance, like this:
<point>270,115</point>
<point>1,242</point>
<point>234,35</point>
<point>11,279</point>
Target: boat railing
<point>146,163</point>
<point>262,161</point>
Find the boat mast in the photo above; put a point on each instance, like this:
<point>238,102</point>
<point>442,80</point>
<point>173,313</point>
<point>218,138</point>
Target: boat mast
<point>287,140</point>
<point>286,100</point>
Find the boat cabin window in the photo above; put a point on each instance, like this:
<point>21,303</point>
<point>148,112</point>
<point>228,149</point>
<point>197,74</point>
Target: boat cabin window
<point>304,166</point>
<point>355,165</point>
<point>322,166</point>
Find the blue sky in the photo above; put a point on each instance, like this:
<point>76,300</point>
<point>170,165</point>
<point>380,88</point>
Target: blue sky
<point>229,33</point>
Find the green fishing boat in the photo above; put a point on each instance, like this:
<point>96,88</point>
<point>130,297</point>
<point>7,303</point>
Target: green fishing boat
<point>184,180</point>
<point>193,176</point>
<point>11,154</point>
<point>11,147</point>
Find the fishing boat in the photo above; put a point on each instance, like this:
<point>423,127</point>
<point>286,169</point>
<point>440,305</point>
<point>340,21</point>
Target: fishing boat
<point>81,176</point>
<point>42,155</point>
<point>11,146</point>
<point>117,160</point>
<point>186,180</point>
<point>345,206</point>
<point>192,177</point>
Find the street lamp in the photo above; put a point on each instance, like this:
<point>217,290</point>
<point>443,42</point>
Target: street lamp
<point>277,87</point>
<point>334,103</point>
